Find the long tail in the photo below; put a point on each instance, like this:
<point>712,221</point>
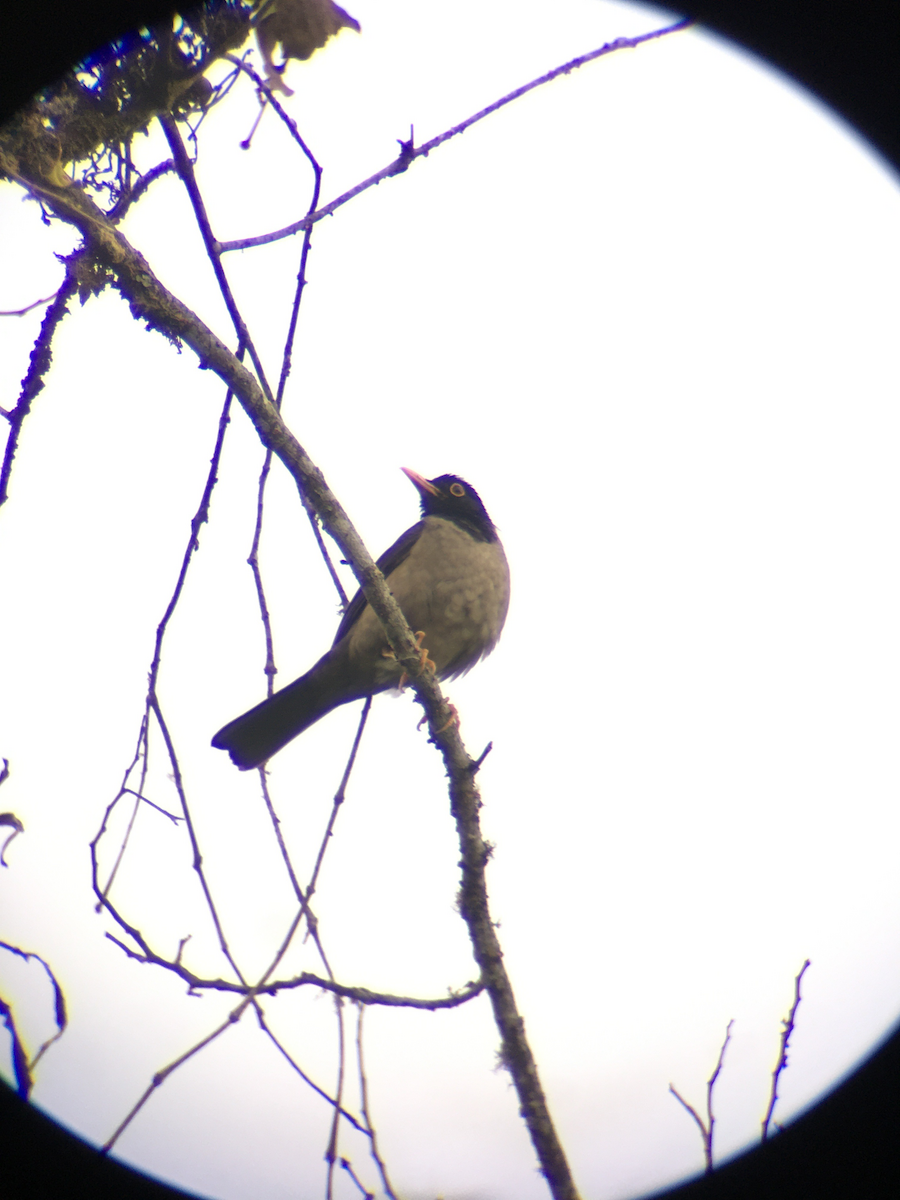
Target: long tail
<point>257,734</point>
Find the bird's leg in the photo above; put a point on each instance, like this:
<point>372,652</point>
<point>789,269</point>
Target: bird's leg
<point>453,719</point>
<point>424,660</point>
<point>387,652</point>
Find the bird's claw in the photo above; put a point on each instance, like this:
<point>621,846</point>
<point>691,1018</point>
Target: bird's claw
<point>424,660</point>
<point>453,719</point>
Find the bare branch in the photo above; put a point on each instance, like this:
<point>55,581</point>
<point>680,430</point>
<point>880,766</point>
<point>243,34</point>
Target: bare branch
<point>192,835</point>
<point>786,1031</point>
<point>347,1166</point>
<point>360,995</point>
<point>260,1016</point>
<point>134,193</point>
<point>198,520</point>
<point>708,1126</point>
<point>23,1068</point>
<point>331,1150</point>
<point>20,312</point>
<point>161,1076</point>
<point>38,366</point>
<point>364,1104</point>
<point>286,119</point>
<point>339,795</point>
<point>185,169</point>
<point>409,153</point>
<point>711,1120</point>
<point>690,1108</point>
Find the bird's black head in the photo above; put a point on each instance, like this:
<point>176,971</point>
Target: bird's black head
<point>450,497</point>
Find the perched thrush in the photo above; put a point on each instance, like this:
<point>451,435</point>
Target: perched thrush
<point>449,575</point>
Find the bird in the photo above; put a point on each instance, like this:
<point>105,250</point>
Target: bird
<point>448,573</point>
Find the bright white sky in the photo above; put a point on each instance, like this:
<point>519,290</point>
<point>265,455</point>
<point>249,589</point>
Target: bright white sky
<point>650,312</point>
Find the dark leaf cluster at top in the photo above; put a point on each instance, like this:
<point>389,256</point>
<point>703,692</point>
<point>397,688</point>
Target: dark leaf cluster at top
<point>92,113</point>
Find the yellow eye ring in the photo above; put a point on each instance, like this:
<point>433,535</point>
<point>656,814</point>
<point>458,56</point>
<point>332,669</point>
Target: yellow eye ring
<point>457,489</point>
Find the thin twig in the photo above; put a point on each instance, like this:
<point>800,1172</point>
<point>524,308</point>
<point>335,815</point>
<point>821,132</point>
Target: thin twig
<point>364,1105</point>
<point>132,194</point>
<point>786,1031</point>
<point>21,1070</point>
<point>201,516</point>
<point>339,796</point>
<point>361,995</point>
<point>185,169</point>
<point>197,863</point>
<point>140,756</point>
<point>709,1092</point>
<point>273,100</point>
<point>348,1116</point>
<point>59,1009</point>
<point>409,153</point>
<point>173,817</point>
<point>331,1150</point>
<point>153,704</point>
<point>476,765</point>
<point>161,1076</point>
<point>707,1127</point>
<point>704,1133</point>
<point>282,846</point>
<point>287,356</point>
<point>20,312</point>
<point>250,993</point>
<point>269,670</point>
<point>347,1166</point>
<point>38,366</point>
<point>305,897</point>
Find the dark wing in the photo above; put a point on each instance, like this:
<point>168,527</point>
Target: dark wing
<point>389,561</point>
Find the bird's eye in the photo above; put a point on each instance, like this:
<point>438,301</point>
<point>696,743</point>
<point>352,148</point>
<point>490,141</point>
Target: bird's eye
<point>457,489</point>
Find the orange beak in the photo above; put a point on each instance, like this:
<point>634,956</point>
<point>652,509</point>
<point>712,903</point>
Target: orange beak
<point>419,481</point>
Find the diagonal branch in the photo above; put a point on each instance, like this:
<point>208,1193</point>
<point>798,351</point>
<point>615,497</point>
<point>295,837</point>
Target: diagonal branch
<point>38,366</point>
<point>787,1028</point>
<point>409,153</point>
<point>185,169</point>
<point>159,309</point>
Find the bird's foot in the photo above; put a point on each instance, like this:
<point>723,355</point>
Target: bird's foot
<point>452,720</point>
<point>424,660</point>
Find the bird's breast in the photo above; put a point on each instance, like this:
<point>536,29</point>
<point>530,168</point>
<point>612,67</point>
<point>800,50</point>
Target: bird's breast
<point>451,586</point>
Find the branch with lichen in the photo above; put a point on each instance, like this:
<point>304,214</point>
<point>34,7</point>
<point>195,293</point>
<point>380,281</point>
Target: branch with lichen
<point>121,266</point>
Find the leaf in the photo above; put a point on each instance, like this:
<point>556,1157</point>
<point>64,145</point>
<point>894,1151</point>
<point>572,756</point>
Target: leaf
<point>301,27</point>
